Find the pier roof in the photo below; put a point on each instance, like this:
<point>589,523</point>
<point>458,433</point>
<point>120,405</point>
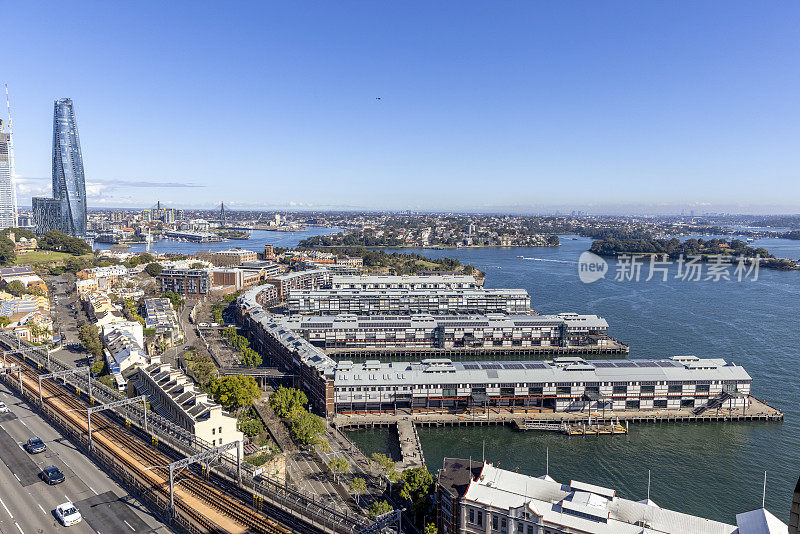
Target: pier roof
<point>429,372</point>
<point>425,321</point>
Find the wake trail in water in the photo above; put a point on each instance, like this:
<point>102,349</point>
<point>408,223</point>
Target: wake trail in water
<point>552,261</point>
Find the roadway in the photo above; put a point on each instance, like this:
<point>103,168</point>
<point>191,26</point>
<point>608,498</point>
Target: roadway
<point>67,314</point>
<point>27,504</point>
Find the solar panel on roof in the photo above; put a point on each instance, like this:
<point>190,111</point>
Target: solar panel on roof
<point>471,366</point>
<point>626,364</point>
<point>534,365</point>
<point>667,363</point>
<point>513,366</point>
<point>647,364</point>
<point>604,364</point>
<point>491,366</point>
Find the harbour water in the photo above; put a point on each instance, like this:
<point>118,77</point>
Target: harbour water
<point>256,242</point>
<point>714,470</point>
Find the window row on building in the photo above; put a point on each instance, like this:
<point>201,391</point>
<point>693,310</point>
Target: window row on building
<point>408,301</point>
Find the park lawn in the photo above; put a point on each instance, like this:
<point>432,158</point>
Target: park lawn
<point>40,257</point>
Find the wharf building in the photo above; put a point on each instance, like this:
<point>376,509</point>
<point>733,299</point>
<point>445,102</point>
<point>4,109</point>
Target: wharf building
<point>66,210</point>
<point>347,331</point>
<point>408,301</point>
<point>452,281</point>
<point>479,498</point>
<point>563,384</point>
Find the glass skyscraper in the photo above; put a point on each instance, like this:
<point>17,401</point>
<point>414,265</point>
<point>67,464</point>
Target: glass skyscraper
<point>8,211</point>
<point>66,211</point>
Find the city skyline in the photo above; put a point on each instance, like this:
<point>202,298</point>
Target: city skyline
<point>651,109</point>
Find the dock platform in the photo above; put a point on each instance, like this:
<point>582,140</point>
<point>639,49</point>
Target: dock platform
<point>569,423</point>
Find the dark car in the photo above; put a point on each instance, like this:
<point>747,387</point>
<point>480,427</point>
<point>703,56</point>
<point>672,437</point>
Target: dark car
<point>35,446</point>
<point>52,475</point>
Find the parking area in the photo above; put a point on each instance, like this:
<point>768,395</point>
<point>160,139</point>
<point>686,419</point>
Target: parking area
<point>67,316</point>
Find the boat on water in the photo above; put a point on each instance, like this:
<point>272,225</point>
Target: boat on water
<point>521,257</point>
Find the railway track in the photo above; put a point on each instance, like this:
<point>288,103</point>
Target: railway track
<point>148,463</point>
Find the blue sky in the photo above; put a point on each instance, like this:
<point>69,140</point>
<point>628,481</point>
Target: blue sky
<point>526,106</point>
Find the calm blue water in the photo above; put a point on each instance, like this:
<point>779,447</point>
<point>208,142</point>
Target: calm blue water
<point>714,470</point>
<point>255,243</point>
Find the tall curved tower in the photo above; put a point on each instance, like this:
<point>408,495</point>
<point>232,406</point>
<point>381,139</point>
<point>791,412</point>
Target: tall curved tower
<point>66,211</point>
<point>69,184</point>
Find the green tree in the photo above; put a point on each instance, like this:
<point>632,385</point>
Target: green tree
<point>153,269</point>
<point>203,368</point>
<point>132,311</point>
<point>89,336</point>
<point>251,358</point>
<point>307,427</point>
<point>146,258</point>
<point>285,401</point>
<point>73,265</point>
<point>216,313</point>
<point>176,300</point>
<point>430,528</point>
<point>7,253</point>
<point>16,288</point>
<point>251,425</point>
<point>61,242</point>
<point>417,485</point>
<point>197,265</point>
<point>99,368</point>
<point>235,391</point>
<point>4,321</point>
<point>386,465</point>
<point>358,486</point>
<point>338,466</point>
<point>378,508</point>
<point>19,232</point>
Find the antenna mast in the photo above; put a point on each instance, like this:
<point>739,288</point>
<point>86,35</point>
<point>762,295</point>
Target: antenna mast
<point>11,161</point>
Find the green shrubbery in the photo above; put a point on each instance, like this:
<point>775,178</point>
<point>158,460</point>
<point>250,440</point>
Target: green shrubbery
<point>250,424</point>
<point>289,403</point>
<point>250,357</point>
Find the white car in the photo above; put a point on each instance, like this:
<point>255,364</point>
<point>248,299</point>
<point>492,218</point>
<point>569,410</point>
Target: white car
<point>3,407</point>
<point>68,514</point>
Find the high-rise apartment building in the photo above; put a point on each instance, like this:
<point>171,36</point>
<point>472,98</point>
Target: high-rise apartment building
<point>66,211</point>
<point>8,208</point>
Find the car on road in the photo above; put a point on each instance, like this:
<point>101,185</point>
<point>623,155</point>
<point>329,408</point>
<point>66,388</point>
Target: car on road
<point>35,446</point>
<point>3,407</point>
<point>68,514</point>
<point>52,475</point>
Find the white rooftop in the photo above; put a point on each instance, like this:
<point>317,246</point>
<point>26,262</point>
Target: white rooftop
<point>593,509</point>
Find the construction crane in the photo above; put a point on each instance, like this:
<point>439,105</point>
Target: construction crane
<point>11,160</point>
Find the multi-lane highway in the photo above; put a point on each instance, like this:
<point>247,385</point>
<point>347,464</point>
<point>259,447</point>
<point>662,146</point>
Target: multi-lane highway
<point>27,504</point>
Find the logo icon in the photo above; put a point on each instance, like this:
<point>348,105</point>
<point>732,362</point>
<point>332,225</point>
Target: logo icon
<point>591,267</point>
